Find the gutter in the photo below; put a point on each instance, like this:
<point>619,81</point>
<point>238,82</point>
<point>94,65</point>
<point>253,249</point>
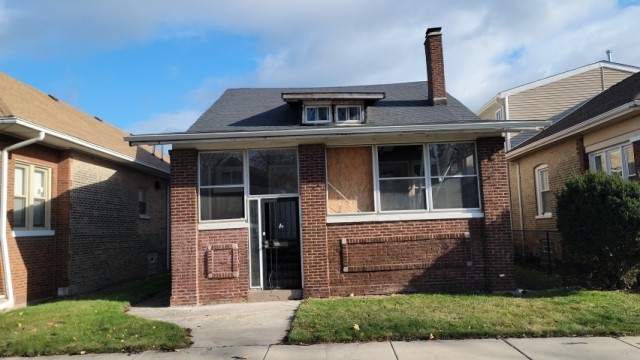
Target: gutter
<point>77,141</point>
<point>3,214</point>
<point>324,132</point>
<point>623,109</point>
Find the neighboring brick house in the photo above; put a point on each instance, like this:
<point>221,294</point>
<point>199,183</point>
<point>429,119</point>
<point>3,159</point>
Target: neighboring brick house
<point>601,134</point>
<point>84,210</point>
<point>339,190</point>
<point>552,97</point>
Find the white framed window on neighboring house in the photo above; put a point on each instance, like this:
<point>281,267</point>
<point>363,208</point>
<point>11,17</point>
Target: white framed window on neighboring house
<point>543,193</point>
<point>616,161</point>
<point>499,115</point>
<point>349,114</point>
<point>316,114</point>
<point>31,197</point>
<point>143,203</point>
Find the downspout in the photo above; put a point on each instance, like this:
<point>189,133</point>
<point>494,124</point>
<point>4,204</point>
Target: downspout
<point>8,284</point>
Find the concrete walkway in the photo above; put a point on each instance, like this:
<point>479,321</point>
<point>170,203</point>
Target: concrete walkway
<point>255,331</point>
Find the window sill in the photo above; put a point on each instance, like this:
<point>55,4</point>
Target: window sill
<point>223,225</point>
<point>145,217</point>
<point>544,216</point>
<point>352,218</point>
<point>33,233</point>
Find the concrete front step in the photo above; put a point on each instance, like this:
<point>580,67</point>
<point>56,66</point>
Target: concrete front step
<point>274,295</point>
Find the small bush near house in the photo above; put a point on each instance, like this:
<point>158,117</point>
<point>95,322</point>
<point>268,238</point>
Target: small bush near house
<point>599,218</point>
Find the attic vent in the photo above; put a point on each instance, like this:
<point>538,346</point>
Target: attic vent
<point>53,97</point>
<point>97,118</point>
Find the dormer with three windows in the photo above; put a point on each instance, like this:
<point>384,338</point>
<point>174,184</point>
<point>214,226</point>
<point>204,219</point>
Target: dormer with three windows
<point>333,107</point>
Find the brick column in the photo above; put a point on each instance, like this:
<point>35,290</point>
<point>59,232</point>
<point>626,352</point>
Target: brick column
<point>63,220</point>
<point>184,227</point>
<point>498,244</point>
<point>314,225</point>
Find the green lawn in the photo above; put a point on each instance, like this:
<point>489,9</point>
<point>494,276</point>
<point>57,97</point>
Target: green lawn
<point>95,323</point>
<point>421,317</point>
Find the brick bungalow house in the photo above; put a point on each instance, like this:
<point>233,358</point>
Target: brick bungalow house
<point>339,190</point>
<point>603,134</point>
<point>83,209</point>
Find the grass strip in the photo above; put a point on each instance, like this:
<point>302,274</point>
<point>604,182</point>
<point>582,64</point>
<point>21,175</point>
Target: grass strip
<point>423,317</point>
<point>94,323</point>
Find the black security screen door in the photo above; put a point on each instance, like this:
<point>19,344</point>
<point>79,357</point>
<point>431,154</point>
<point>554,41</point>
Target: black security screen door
<point>281,244</point>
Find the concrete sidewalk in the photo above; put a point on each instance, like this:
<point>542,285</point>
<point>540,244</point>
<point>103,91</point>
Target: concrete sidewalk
<point>256,330</point>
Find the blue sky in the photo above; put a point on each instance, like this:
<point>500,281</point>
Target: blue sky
<point>151,66</point>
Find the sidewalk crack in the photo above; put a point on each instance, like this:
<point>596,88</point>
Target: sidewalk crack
<point>516,349</point>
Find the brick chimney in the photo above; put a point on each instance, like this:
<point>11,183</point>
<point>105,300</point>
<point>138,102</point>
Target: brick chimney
<point>435,67</point>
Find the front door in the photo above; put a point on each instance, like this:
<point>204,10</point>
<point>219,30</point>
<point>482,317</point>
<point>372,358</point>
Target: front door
<point>275,243</point>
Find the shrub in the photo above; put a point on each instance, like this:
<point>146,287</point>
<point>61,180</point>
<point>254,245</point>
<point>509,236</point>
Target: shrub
<point>599,218</point>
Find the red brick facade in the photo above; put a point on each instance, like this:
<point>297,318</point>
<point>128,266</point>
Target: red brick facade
<point>339,259</point>
<point>98,240</point>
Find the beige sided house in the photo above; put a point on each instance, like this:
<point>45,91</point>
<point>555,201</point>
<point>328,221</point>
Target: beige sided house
<point>550,98</point>
<point>81,209</point>
<point>602,134</point>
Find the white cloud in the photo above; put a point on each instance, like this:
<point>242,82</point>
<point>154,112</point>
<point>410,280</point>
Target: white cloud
<point>339,42</point>
<point>165,123</point>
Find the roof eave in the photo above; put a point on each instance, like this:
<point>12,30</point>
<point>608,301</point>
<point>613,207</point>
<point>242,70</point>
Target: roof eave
<point>624,109</point>
<point>23,127</point>
<point>324,132</point>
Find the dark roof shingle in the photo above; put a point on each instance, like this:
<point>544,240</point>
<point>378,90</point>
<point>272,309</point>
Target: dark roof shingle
<point>256,109</point>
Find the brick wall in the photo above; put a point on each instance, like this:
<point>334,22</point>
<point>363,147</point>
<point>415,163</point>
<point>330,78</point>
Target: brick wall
<point>494,185</point>
<point>315,246</point>
<point>109,242</point>
<point>184,228</point>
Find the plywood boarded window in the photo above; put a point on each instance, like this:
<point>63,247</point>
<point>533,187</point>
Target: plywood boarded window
<point>350,180</point>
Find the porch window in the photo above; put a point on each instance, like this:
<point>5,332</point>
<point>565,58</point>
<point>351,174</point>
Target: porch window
<point>616,161</point>
<point>454,178</point>
<point>221,186</point>
<point>273,171</point>
<point>543,194</point>
<point>31,197</point>
<point>401,177</point>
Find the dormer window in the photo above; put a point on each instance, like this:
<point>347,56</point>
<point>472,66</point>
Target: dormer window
<point>349,114</point>
<point>317,114</point>
<point>333,107</point>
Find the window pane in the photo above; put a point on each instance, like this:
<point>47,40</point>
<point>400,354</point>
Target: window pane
<point>615,162</point>
<point>273,172</point>
<point>403,194</point>
<point>323,113</point>
<point>543,179</point>
<point>631,162</point>
<point>254,244</point>
<point>311,114</point>
<point>38,183</point>
<point>400,161</point>
<point>222,203</point>
<point>455,193</point>
<point>452,159</point>
<point>342,114</point>
<point>221,169</point>
<point>39,212</point>
<point>354,113</point>
<point>18,187</point>
<point>545,198</point>
<point>598,163</point>
<point>19,212</point>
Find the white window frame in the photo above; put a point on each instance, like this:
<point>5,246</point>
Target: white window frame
<point>349,121</point>
<point>29,197</point>
<point>540,189</point>
<point>605,153</point>
<point>316,106</point>
<point>498,115</point>
<point>145,194</point>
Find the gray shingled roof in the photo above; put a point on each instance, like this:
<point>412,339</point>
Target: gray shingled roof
<point>256,109</point>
